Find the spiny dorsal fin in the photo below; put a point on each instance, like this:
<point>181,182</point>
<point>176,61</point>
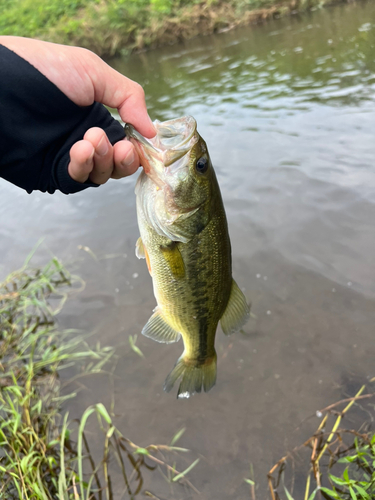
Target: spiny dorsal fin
<point>174,258</point>
<point>158,329</point>
<point>237,311</point>
<point>139,249</point>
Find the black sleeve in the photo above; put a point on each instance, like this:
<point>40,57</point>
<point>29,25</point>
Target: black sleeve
<point>39,125</point>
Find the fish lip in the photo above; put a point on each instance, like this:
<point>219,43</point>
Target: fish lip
<point>132,133</point>
<point>193,125</point>
<point>168,155</point>
<point>175,153</point>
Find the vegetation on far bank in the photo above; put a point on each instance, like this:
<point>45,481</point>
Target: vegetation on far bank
<point>110,27</point>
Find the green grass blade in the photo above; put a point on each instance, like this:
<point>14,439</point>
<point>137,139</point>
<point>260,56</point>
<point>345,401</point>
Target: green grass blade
<point>183,474</point>
<point>177,436</point>
<point>81,428</point>
<point>288,495</point>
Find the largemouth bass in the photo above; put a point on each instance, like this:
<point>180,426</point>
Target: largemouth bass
<point>185,241</point>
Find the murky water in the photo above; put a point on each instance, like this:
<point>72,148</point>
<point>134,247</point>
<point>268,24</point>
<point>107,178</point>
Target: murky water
<point>288,112</point>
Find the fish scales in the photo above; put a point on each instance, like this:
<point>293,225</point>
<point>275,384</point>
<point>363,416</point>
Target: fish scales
<point>193,304</point>
<point>185,240</point>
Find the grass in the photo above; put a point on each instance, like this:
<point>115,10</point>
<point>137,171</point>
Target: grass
<point>43,456</point>
<point>342,461</point>
<point>111,27</point>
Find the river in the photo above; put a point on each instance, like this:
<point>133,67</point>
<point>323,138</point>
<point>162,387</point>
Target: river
<point>288,111</point>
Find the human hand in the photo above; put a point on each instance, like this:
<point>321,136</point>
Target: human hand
<point>84,78</point>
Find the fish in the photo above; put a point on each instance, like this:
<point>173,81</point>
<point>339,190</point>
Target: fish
<point>185,241</point>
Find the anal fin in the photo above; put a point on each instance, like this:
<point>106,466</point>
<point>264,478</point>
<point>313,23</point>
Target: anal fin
<point>237,311</point>
<point>158,329</point>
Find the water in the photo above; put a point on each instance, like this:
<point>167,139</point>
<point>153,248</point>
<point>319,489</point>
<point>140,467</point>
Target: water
<point>287,110</point>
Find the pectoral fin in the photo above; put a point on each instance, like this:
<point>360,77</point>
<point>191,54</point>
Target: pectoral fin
<point>141,253</point>
<point>158,329</point>
<point>237,311</point>
<point>140,249</point>
<point>174,258</point>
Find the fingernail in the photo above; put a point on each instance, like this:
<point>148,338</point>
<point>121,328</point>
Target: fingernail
<point>128,160</point>
<point>102,147</point>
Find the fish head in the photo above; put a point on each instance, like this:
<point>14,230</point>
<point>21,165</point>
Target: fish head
<point>177,163</point>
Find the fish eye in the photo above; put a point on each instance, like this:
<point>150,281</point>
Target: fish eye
<point>202,165</point>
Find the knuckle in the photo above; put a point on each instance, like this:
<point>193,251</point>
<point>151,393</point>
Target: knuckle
<point>87,54</point>
<point>139,90</point>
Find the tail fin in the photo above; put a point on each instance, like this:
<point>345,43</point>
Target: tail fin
<point>195,375</point>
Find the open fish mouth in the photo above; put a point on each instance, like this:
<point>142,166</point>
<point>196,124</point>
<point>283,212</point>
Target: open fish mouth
<point>174,139</point>
<point>165,160</point>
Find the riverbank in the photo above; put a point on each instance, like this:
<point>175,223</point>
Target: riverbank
<point>112,27</point>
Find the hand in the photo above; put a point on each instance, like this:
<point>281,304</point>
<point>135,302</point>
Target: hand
<point>84,78</point>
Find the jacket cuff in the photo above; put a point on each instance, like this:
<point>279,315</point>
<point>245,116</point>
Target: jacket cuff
<point>65,183</point>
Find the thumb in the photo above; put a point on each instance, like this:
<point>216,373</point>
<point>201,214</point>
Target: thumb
<point>117,91</point>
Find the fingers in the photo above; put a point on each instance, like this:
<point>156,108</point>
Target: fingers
<point>125,159</point>
<point>103,156</point>
<point>95,159</point>
<point>81,161</point>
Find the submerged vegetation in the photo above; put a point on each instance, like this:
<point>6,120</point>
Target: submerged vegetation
<point>110,27</point>
<point>43,456</point>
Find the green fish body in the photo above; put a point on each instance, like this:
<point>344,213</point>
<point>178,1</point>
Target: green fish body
<point>185,240</point>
